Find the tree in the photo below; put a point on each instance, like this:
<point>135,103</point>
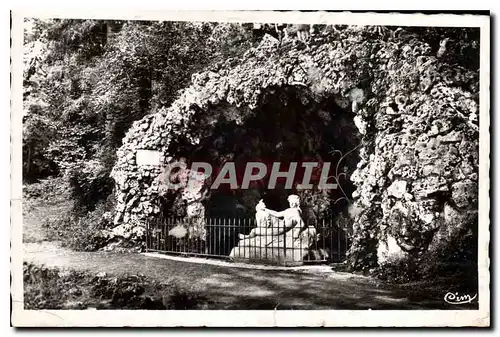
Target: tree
<point>87,81</point>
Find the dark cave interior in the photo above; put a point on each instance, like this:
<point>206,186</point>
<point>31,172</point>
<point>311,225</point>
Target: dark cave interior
<point>287,127</point>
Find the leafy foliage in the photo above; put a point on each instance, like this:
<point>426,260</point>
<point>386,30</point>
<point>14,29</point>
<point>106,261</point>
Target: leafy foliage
<point>81,231</point>
<point>51,190</point>
<point>454,259</point>
<point>86,81</point>
<point>51,288</point>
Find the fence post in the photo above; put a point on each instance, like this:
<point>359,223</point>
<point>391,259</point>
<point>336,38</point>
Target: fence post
<point>147,235</point>
<point>323,246</point>
<point>284,247</point>
<point>338,243</point>
<point>241,227</point>
<point>346,237</point>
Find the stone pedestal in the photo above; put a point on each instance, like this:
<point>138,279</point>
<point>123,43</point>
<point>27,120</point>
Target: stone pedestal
<point>279,249</point>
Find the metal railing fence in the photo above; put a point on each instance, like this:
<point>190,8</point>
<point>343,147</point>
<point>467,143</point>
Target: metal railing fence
<point>320,242</point>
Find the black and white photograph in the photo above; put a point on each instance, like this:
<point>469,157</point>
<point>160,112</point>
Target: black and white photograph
<point>288,168</point>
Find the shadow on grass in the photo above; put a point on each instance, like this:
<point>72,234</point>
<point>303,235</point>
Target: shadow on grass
<point>222,287</point>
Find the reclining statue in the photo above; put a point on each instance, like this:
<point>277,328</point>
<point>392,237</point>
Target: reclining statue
<point>280,237</point>
<point>291,216</point>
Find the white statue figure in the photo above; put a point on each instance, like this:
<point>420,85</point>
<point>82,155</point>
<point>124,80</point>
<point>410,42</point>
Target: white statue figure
<point>292,218</point>
<point>262,217</point>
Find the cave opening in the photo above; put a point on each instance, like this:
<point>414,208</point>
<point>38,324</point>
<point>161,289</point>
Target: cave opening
<point>287,127</point>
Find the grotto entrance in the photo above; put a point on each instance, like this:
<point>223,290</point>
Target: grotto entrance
<point>288,127</point>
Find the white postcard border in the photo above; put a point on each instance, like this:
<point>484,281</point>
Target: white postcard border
<point>250,318</point>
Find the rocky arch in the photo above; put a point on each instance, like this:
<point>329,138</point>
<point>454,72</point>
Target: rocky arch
<point>416,179</point>
<point>287,126</point>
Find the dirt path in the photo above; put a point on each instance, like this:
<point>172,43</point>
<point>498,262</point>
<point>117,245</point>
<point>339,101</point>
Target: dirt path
<point>243,288</point>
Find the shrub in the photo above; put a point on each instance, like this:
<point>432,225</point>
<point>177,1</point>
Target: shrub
<point>455,260</point>
<point>182,300</point>
<point>49,190</point>
<point>46,288</point>
<point>82,231</point>
<point>399,271</point>
<point>124,292</point>
<point>90,185</point>
<point>51,288</point>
